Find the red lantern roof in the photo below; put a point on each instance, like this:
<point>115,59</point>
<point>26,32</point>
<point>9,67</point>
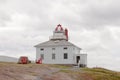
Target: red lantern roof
<point>59,28</point>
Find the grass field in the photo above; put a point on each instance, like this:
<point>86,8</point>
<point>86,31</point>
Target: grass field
<point>14,71</point>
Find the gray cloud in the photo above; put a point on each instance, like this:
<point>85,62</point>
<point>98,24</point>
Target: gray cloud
<point>4,17</point>
<point>101,13</point>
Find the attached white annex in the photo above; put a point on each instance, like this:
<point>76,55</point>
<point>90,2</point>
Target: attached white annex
<point>58,50</point>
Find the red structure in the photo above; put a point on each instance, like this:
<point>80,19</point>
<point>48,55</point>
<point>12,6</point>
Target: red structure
<point>66,34</point>
<point>39,61</point>
<point>23,60</point>
<point>59,27</point>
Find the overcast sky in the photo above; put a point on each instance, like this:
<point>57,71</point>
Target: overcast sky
<point>94,25</point>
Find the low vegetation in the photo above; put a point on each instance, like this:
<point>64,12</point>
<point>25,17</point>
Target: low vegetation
<point>102,74</point>
<point>14,71</point>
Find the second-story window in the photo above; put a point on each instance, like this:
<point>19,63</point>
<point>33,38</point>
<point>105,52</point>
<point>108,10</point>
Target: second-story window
<point>65,48</point>
<point>42,49</point>
<point>53,48</point>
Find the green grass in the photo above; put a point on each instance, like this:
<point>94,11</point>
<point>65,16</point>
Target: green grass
<point>60,66</point>
<point>76,74</point>
<point>65,71</point>
<point>101,74</point>
<point>93,74</point>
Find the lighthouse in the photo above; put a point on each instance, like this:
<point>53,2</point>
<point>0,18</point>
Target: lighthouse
<point>58,49</point>
<point>60,34</point>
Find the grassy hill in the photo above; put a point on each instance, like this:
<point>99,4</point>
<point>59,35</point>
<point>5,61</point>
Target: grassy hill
<point>13,71</point>
<point>102,74</point>
<point>8,59</point>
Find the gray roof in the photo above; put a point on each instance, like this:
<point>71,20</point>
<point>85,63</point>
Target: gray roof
<point>55,43</point>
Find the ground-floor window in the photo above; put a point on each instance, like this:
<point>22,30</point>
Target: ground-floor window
<point>65,56</point>
<point>53,56</point>
<point>42,56</point>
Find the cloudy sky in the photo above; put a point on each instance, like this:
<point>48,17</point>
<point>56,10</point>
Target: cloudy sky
<point>94,25</point>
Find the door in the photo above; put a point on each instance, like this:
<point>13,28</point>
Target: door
<point>77,59</point>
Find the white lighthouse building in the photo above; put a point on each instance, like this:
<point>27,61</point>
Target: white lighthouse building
<point>58,50</point>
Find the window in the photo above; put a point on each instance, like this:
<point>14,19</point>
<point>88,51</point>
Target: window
<point>42,56</point>
<point>53,56</point>
<point>65,56</point>
<point>42,49</point>
<point>73,48</point>
<point>53,48</point>
<point>65,48</point>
